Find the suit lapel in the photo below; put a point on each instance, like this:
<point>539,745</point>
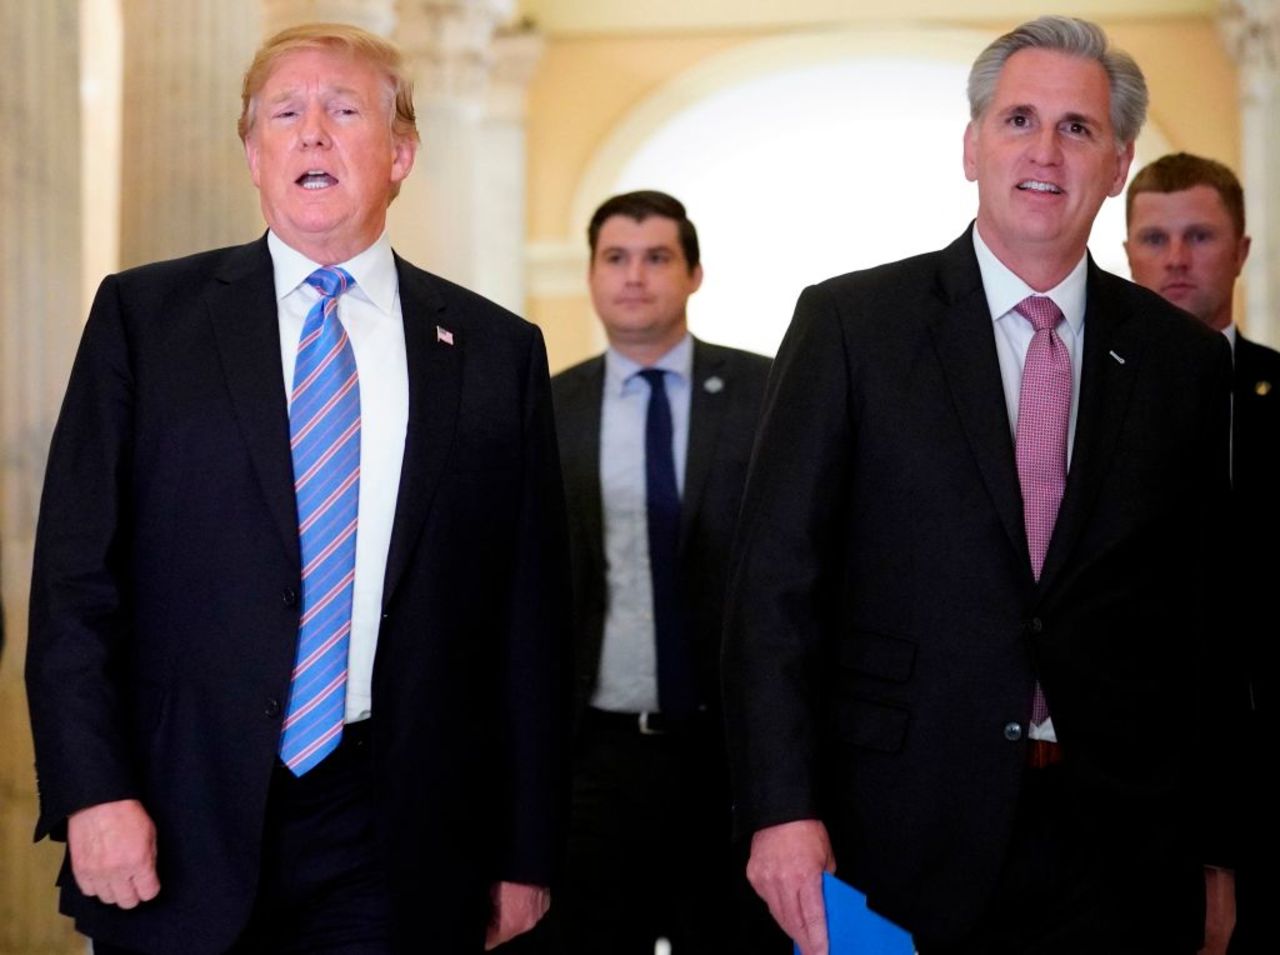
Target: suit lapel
<point>246,326</point>
<point>579,414</point>
<point>965,343</point>
<point>435,389</point>
<point>707,405</point>
<point>1111,356</point>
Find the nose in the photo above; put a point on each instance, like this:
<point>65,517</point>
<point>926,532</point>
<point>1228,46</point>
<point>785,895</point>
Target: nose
<point>1177,256</point>
<point>1045,147</point>
<point>313,132</point>
<point>635,270</point>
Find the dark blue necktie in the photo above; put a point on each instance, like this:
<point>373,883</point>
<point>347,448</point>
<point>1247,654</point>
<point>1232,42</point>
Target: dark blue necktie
<point>676,694</point>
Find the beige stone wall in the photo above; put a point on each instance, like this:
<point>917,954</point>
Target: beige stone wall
<point>40,315</point>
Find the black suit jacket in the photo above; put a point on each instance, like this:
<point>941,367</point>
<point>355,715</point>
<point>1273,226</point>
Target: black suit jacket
<point>164,608</point>
<point>885,629</point>
<point>1255,469</point>
<point>728,388</point>
<point>1252,617</point>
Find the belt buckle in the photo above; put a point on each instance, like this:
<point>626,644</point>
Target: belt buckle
<point>645,728</point>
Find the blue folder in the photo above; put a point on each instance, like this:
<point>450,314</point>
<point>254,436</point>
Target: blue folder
<point>853,929</point>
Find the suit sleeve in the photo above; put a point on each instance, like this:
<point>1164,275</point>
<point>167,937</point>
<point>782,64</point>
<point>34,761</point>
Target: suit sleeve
<point>1224,686</point>
<point>781,607</point>
<point>536,681</point>
<point>80,617</point>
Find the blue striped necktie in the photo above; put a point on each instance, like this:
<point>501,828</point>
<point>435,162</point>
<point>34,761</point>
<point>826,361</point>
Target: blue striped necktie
<point>324,430</point>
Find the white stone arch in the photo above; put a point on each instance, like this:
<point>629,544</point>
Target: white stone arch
<point>557,268</point>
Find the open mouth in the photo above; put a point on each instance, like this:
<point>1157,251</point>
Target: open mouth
<point>316,179</point>
<point>1035,185</point>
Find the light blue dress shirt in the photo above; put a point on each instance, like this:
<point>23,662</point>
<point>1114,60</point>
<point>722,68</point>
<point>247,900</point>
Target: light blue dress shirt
<point>628,680</point>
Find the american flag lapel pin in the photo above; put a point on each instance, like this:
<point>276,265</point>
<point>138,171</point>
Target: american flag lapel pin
<point>444,335</point>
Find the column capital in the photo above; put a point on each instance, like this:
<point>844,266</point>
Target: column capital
<point>450,43</point>
<point>376,16</point>
<point>1251,31</point>
<point>516,54</point>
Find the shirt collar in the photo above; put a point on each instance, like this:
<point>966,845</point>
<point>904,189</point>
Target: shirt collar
<point>374,270</point>
<point>1005,289</point>
<point>1230,332</point>
<point>619,370</point>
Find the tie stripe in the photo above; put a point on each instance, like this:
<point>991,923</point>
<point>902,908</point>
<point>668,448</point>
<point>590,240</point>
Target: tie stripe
<point>318,417</point>
<point>327,456</point>
<point>324,424</point>
<point>338,496</point>
<point>301,387</point>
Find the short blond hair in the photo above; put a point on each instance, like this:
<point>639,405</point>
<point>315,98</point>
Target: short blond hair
<point>360,44</point>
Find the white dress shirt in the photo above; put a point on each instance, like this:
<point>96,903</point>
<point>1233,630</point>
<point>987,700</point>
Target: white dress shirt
<point>1013,335</point>
<point>628,675</point>
<point>370,313</point>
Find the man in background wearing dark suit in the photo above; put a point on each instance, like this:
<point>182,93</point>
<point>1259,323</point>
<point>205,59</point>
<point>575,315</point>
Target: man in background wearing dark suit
<point>1187,241</point>
<point>655,436</point>
<point>966,618</point>
<point>300,582</point>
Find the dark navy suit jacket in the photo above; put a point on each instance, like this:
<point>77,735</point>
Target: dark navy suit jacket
<point>164,607</point>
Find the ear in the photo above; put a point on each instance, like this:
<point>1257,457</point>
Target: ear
<point>251,157</point>
<point>1242,252</point>
<point>1123,160</point>
<point>404,151</point>
<point>697,278</point>
<point>971,152</point>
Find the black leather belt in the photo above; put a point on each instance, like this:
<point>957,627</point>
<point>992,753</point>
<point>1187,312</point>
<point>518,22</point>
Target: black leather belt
<point>641,724</point>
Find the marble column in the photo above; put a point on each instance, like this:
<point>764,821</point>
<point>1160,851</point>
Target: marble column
<point>499,252</point>
<point>1251,29</point>
<point>376,16</point>
<point>185,186</point>
<point>40,320</point>
<point>461,212</point>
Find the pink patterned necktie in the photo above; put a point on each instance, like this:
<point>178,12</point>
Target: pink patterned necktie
<point>1044,411</point>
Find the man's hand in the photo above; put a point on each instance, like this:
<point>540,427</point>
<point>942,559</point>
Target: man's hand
<point>785,869</point>
<point>113,852</point>
<point>516,909</point>
<point>1220,909</point>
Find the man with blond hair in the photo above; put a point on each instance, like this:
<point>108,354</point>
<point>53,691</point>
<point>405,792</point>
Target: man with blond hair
<point>301,574</point>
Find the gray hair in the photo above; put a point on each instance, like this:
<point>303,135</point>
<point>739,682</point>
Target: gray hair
<point>1076,38</point>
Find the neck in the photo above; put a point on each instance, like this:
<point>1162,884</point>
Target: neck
<point>1041,267</point>
<point>1220,321</point>
<point>326,250</point>
<point>645,352</point>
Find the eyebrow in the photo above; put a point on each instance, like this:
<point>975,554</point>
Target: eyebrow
<point>1070,117</point>
<point>293,91</point>
<point>1084,118</point>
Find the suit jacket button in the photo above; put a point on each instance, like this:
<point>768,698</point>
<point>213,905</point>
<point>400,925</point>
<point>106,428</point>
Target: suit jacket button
<point>272,709</point>
<point>289,597</point>
<point>1013,732</point>
<point>1036,625</point>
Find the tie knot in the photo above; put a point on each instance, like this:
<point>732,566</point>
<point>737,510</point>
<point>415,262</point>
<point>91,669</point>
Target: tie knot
<point>1040,311</point>
<point>330,282</point>
<point>655,377</point>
